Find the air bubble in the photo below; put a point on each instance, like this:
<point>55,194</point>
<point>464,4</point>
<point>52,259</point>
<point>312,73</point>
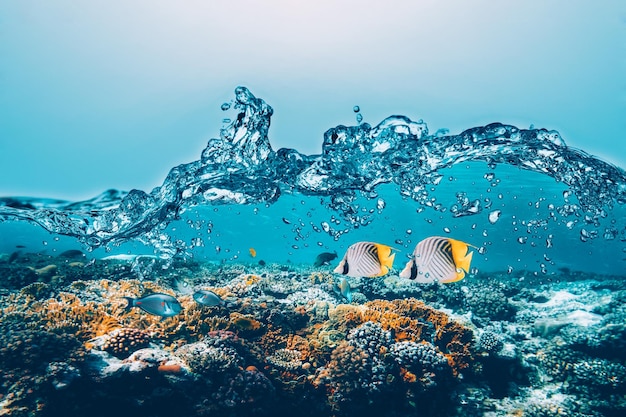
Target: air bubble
<point>494,216</point>
<point>225,106</point>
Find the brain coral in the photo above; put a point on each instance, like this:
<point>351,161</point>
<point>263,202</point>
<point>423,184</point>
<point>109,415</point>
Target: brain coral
<point>123,342</point>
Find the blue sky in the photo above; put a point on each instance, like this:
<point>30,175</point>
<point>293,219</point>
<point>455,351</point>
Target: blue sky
<point>112,94</point>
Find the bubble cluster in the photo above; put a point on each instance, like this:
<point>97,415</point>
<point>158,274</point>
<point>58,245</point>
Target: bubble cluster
<point>241,168</point>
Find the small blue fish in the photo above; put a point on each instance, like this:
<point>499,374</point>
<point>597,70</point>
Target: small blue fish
<point>158,304</point>
<point>208,298</point>
<point>343,289</point>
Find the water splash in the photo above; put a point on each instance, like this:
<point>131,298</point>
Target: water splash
<point>241,168</point>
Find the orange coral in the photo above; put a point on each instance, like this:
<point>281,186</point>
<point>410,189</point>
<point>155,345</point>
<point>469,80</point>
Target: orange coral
<point>408,376</point>
<point>170,368</point>
<point>244,322</point>
<point>252,279</point>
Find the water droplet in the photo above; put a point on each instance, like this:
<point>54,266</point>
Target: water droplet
<point>522,239</point>
<point>225,106</point>
<point>197,242</point>
<point>409,231</point>
<point>356,109</point>
<point>359,118</point>
<point>494,216</point>
<point>286,221</point>
<point>446,229</point>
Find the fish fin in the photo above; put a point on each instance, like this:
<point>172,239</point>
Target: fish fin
<point>461,258</point>
<point>385,257</point>
<point>341,268</point>
<point>130,301</point>
<point>408,271</point>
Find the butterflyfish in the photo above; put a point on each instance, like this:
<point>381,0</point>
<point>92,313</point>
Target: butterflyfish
<point>158,304</point>
<point>366,259</point>
<point>439,259</point>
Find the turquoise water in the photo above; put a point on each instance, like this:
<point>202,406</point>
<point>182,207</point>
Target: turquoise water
<point>525,198</point>
<point>535,327</point>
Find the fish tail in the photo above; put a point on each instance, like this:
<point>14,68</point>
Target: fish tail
<point>130,301</point>
<point>462,259</point>
<point>385,257</point>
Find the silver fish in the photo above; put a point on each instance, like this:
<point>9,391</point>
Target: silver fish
<point>208,298</point>
<point>438,259</point>
<point>158,304</point>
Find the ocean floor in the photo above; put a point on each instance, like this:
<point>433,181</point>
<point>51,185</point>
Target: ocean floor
<point>286,342</point>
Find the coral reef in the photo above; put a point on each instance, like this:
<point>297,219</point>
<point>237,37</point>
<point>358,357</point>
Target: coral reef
<point>490,301</point>
<point>123,342</point>
<point>284,342</point>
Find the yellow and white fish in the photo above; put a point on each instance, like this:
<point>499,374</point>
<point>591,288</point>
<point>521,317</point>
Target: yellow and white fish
<point>366,259</point>
<point>439,259</point>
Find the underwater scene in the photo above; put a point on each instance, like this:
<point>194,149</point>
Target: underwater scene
<point>401,272</point>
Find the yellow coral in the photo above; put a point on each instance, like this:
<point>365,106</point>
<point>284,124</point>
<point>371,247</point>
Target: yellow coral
<point>252,279</point>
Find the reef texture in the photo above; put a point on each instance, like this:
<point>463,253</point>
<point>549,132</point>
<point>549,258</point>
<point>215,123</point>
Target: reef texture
<point>285,344</point>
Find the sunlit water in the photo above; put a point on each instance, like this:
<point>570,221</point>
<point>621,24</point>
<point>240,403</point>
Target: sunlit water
<point>525,198</point>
